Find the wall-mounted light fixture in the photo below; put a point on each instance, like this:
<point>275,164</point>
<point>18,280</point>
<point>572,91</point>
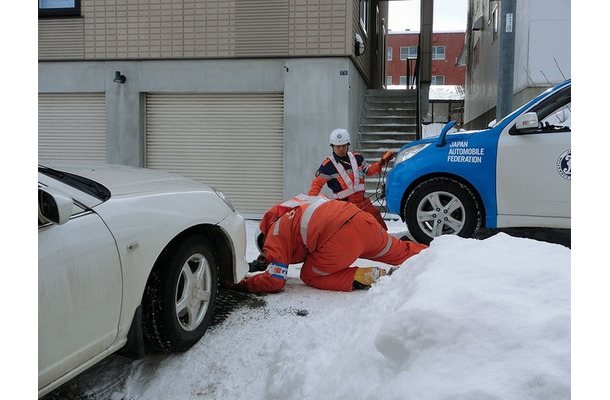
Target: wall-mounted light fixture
<point>118,78</point>
<point>359,45</point>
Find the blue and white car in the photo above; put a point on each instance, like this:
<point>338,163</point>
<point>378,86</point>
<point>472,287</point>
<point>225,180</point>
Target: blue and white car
<point>514,174</point>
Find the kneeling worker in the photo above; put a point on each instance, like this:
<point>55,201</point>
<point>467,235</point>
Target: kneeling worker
<point>327,236</point>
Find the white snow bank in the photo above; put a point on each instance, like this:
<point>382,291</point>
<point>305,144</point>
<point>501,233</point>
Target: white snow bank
<point>465,319</point>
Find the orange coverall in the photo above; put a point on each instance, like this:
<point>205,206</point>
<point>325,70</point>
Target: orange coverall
<point>336,234</point>
<point>327,173</point>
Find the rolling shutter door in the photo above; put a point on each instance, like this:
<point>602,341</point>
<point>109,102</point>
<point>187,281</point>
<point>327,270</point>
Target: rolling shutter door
<point>72,127</point>
<point>233,142</point>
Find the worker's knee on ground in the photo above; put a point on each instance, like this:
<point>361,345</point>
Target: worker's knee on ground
<point>368,276</point>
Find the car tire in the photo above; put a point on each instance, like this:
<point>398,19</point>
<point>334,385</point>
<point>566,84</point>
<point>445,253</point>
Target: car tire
<point>441,206</point>
<point>180,296</point>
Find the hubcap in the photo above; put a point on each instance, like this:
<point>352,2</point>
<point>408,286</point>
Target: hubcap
<point>441,213</point>
<point>193,292</point>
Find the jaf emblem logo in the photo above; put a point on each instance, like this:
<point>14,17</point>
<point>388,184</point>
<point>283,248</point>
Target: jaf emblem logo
<point>564,164</point>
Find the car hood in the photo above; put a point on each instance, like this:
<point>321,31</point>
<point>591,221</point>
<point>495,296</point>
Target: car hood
<point>124,180</point>
<point>453,135</point>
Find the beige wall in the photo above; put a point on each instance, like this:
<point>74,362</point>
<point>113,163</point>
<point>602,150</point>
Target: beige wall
<point>111,29</point>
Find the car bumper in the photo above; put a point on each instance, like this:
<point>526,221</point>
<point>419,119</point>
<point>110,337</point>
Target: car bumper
<point>398,179</point>
<point>235,226</point>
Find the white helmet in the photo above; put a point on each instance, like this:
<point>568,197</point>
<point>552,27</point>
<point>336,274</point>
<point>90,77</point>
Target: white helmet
<point>339,137</point>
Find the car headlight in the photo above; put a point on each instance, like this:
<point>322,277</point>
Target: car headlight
<point>409,152</point>
<point>224,198</point>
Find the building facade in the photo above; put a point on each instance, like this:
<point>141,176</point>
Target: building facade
<point>240,94</point>
<point>446,48</point>
<point>542,56</point>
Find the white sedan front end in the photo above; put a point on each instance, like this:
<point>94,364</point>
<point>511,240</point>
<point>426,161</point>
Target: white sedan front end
<point>129,259</point>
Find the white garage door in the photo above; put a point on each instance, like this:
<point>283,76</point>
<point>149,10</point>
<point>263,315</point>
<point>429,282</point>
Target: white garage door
<point>233,142</point>
<point>72,127</point>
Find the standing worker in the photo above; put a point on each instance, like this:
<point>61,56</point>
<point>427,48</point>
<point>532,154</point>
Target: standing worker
<point>327,236</point>
<point>344,172</point>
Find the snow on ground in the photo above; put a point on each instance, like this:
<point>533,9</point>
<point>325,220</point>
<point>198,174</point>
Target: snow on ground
<point>465,319</point>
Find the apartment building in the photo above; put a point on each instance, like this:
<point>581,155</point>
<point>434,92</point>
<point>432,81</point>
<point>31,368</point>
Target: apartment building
<point>446,48</point>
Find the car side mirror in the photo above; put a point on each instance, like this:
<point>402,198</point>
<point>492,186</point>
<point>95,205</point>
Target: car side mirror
<point>54,206</point>
<point>526,122</point>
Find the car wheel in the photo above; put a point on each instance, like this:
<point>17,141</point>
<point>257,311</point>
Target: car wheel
<point>180,296</point>
<point>441,206</point>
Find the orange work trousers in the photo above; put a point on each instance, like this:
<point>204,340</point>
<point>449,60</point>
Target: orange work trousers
<point>328,267</point>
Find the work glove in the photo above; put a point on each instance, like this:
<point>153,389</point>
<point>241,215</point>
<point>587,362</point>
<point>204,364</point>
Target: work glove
<point>386,158</point>
<point>260,264</point>
<point>365,277</point>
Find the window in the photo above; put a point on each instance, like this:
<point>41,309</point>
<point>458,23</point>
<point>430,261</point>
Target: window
<point>389,54</point>
<point>364,14</point>
<point>494,19</point>
<point>58,8</point>
<point>408,52</point>
<point>388,80</point>
<point>556,111</point>
<point>403,80</point>
<point>438,52</point>
<point>437,80</point>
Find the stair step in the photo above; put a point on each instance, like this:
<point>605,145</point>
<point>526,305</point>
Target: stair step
<point>393,130</point>
<point>387,122</point>
<point>375,96</point>
<point>383,147</point>
<point>391,106</point>
<point>383,112</point>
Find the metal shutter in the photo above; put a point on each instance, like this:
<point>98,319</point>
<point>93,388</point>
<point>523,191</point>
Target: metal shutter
<point>72,127</point>
<point>233,142</point>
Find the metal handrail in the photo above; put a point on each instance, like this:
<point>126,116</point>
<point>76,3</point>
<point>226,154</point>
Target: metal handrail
<point>418,134</point>
<point>415,82</point>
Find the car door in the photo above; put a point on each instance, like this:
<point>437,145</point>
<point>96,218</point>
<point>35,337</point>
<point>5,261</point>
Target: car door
<point>534,168</point>
<point>79,293</point>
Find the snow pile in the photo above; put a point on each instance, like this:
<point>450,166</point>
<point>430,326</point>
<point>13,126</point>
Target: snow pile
<point>466,319</point>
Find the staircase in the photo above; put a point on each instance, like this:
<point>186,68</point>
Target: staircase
<point>388,121</point>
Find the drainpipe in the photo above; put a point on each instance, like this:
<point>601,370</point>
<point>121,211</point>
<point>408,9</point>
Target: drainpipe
<point>507,59</point>
<point>425,67</point>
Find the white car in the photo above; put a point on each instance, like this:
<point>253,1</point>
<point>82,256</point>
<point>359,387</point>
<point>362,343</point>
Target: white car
<point>129,259</point>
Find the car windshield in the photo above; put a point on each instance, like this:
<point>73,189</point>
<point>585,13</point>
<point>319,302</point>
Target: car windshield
<point>85,184</point>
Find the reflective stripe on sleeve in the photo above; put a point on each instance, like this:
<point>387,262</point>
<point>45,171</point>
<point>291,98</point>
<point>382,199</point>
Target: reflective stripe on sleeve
<point>278,270</point>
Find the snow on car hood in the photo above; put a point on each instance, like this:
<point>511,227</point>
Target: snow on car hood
<point>124,180</point>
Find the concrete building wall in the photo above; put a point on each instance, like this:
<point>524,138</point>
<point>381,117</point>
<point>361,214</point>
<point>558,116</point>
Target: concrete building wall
<point>542,54</point>
<point>319,95</point>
